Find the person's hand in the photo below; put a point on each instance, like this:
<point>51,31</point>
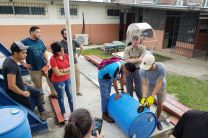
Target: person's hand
<point>99,135</point>
<point>124,92</point>
<point>128,60</point>
<point>28,84</point>
<point>117,96</point>
<point>143,101</point>
<point>150,100</point>
<point>26,93</point>
<point>28,66</point>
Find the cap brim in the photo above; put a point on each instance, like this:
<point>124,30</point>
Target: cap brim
<point>145,67</point>
<point>25,48</point>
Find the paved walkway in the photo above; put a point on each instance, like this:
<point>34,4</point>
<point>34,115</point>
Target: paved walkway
<point>191,67</point>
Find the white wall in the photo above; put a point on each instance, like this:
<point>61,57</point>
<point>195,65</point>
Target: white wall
<point>95,13</point>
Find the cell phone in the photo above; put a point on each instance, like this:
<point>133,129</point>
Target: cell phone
<point>97,126</point>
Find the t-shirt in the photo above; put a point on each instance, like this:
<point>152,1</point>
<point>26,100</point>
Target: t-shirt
<point>11,67</point>
<point>61,64</point>
<point>153,75</point>
<point>134,53</point>
<point>110,71</point>
<point>75,45</point>
<point>193,124</point>
<point>35,53</point>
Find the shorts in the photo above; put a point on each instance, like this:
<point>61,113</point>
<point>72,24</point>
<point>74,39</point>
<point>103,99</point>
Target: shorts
<point>161,95</point>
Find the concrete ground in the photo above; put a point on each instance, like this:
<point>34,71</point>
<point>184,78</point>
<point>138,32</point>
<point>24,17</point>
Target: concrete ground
<point>91,101</point>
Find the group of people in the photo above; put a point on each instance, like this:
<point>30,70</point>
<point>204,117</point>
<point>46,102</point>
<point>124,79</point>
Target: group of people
<point>33,51</point>
<point>139,69</point>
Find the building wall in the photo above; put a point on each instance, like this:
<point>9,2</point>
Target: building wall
<point>157,45</point>
<point>98,26</point>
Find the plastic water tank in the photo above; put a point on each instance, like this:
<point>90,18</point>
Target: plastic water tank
<point>14,122</point>
<point>133,124</point>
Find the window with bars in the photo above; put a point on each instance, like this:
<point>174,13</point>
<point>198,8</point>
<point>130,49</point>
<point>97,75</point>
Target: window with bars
<point>74,11</point>
<point>13,9</point>
<point>113,12</point>
<point>156,18</point>
<point>187,27</point>
<point>6,9</point>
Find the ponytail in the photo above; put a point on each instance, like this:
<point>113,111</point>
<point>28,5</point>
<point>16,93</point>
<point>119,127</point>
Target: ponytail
<point>72,131</point>
<point>79,125</point>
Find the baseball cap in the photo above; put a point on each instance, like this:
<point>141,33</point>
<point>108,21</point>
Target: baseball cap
<point>18,46</point>
<point>147,62</point>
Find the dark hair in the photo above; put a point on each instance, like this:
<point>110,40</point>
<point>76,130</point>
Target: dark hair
<point>62,31</point>
<point>79,124</point>
<point>130,67</point>
<point>34,28</point>
<point>56,47</point>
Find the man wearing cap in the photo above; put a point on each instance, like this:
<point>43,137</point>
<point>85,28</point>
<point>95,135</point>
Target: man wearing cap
<point>133,54</point>
<point>16,88</point>
<point>37,60</point>
<point>153,83</point>
<point>75,45</point>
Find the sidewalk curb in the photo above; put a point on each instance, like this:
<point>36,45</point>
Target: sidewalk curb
<point>90,78</point>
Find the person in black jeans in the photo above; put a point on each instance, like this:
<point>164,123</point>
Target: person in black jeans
<point>17,89</point>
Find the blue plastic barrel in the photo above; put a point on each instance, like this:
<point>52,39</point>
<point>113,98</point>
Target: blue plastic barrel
<point>133,124</point>
<point>14,122</point>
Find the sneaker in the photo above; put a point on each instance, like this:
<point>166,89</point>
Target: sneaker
<point>159,126</point>
<point>44,115</point>
<point>53,96</point>
<point>79,94</point>
<point>42,99</point>
<point>66,117</point>
<point>107,118</point>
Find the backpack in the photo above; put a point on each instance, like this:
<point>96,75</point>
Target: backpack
<point>106,62</point>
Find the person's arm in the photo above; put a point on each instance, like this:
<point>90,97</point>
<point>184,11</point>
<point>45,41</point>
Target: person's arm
<point>46,58</point>
<point>160,80</point>
<point>126,55</point>
<point>157,87</point>
<point>171,136</point>
<point>134,61</point>
<point>58,72</point>
<point>28,66</point>
<point>115,85</point>
<point>67,70</point>
<point>144,88</point>
<point>81,49</point>
<point>11,81</point>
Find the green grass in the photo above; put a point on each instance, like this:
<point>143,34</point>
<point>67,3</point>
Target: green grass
<point>96,52</point>
<point>190,91</point>
<point>103,55</point>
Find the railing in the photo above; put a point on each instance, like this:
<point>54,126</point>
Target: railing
<point>177,3</point>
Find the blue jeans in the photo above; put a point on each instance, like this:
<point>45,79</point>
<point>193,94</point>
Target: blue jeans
<point>62,87</point>
<point>105,90</point>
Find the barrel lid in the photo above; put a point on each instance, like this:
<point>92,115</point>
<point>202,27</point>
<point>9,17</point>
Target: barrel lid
<point>11,117</point>
<point>143,125</point>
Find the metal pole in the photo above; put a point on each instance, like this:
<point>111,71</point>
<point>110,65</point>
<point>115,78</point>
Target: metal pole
<point>70,50</point>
